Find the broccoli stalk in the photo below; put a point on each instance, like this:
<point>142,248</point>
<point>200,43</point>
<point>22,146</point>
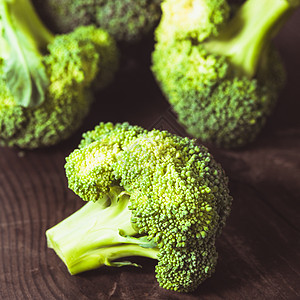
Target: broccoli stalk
<point>98,234</point>
<point>246,38</point>
<point>24,38</point>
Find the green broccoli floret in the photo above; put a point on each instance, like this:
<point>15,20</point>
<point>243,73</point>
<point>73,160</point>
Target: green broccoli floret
<point>126,20</point>
<point>218,68</point>
<point>149,193</point>
<point>46,81</point>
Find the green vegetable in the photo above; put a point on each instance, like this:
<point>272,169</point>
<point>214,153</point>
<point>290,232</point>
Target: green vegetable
<point>46,80</point>
<point>149,193</point>
<point>217,66</point>
<point>125,20</point>
<point>23,67</point>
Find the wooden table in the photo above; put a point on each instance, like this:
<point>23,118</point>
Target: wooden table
<point>258,250</point>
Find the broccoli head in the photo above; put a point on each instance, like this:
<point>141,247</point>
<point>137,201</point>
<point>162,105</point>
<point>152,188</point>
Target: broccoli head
<point>46,81</point>
<point>219,69</point>
<point>126,20</point>
<point>149,193</point>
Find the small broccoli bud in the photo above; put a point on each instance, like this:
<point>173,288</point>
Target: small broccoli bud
<point>194,19</point>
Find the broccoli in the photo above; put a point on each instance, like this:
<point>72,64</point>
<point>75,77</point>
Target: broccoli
<point>46,81</point>
<point>216,65</point>
<point>150,194</point>
<point>127,20</point>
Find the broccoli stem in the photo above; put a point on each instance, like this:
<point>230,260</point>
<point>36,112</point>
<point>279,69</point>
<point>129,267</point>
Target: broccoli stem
<point>105,256</point>
<point>21,16</point>
<point>24,39</point>
<point>99,233</point>
<point>246,38</point>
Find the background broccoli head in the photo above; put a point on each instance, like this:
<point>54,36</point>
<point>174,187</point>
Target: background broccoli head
<point>220,72</point>
<point>125,20</point>
<point>178,202</point>
<point>47,81</point>
<point>211,102</point>
<point>75,61</point>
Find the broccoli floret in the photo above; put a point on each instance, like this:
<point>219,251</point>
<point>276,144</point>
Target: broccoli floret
<point>219,70</point>
<point>193,19</point>
<point>149,193</point>
<point>127,20</point>
<point>46,81</point>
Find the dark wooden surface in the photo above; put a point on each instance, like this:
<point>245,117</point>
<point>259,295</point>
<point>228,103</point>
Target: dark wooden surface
<point>259,249</point>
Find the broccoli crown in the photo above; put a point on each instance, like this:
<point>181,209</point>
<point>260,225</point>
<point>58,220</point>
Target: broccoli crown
<point>221,75</point>
<point>193,19</point>
<point>89,55</point>
<point>33,112</point>
<point>126,20</point>
<point>178,197</point>
<point>131,20</point>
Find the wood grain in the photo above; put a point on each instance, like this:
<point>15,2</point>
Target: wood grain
<point>259,249</point>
